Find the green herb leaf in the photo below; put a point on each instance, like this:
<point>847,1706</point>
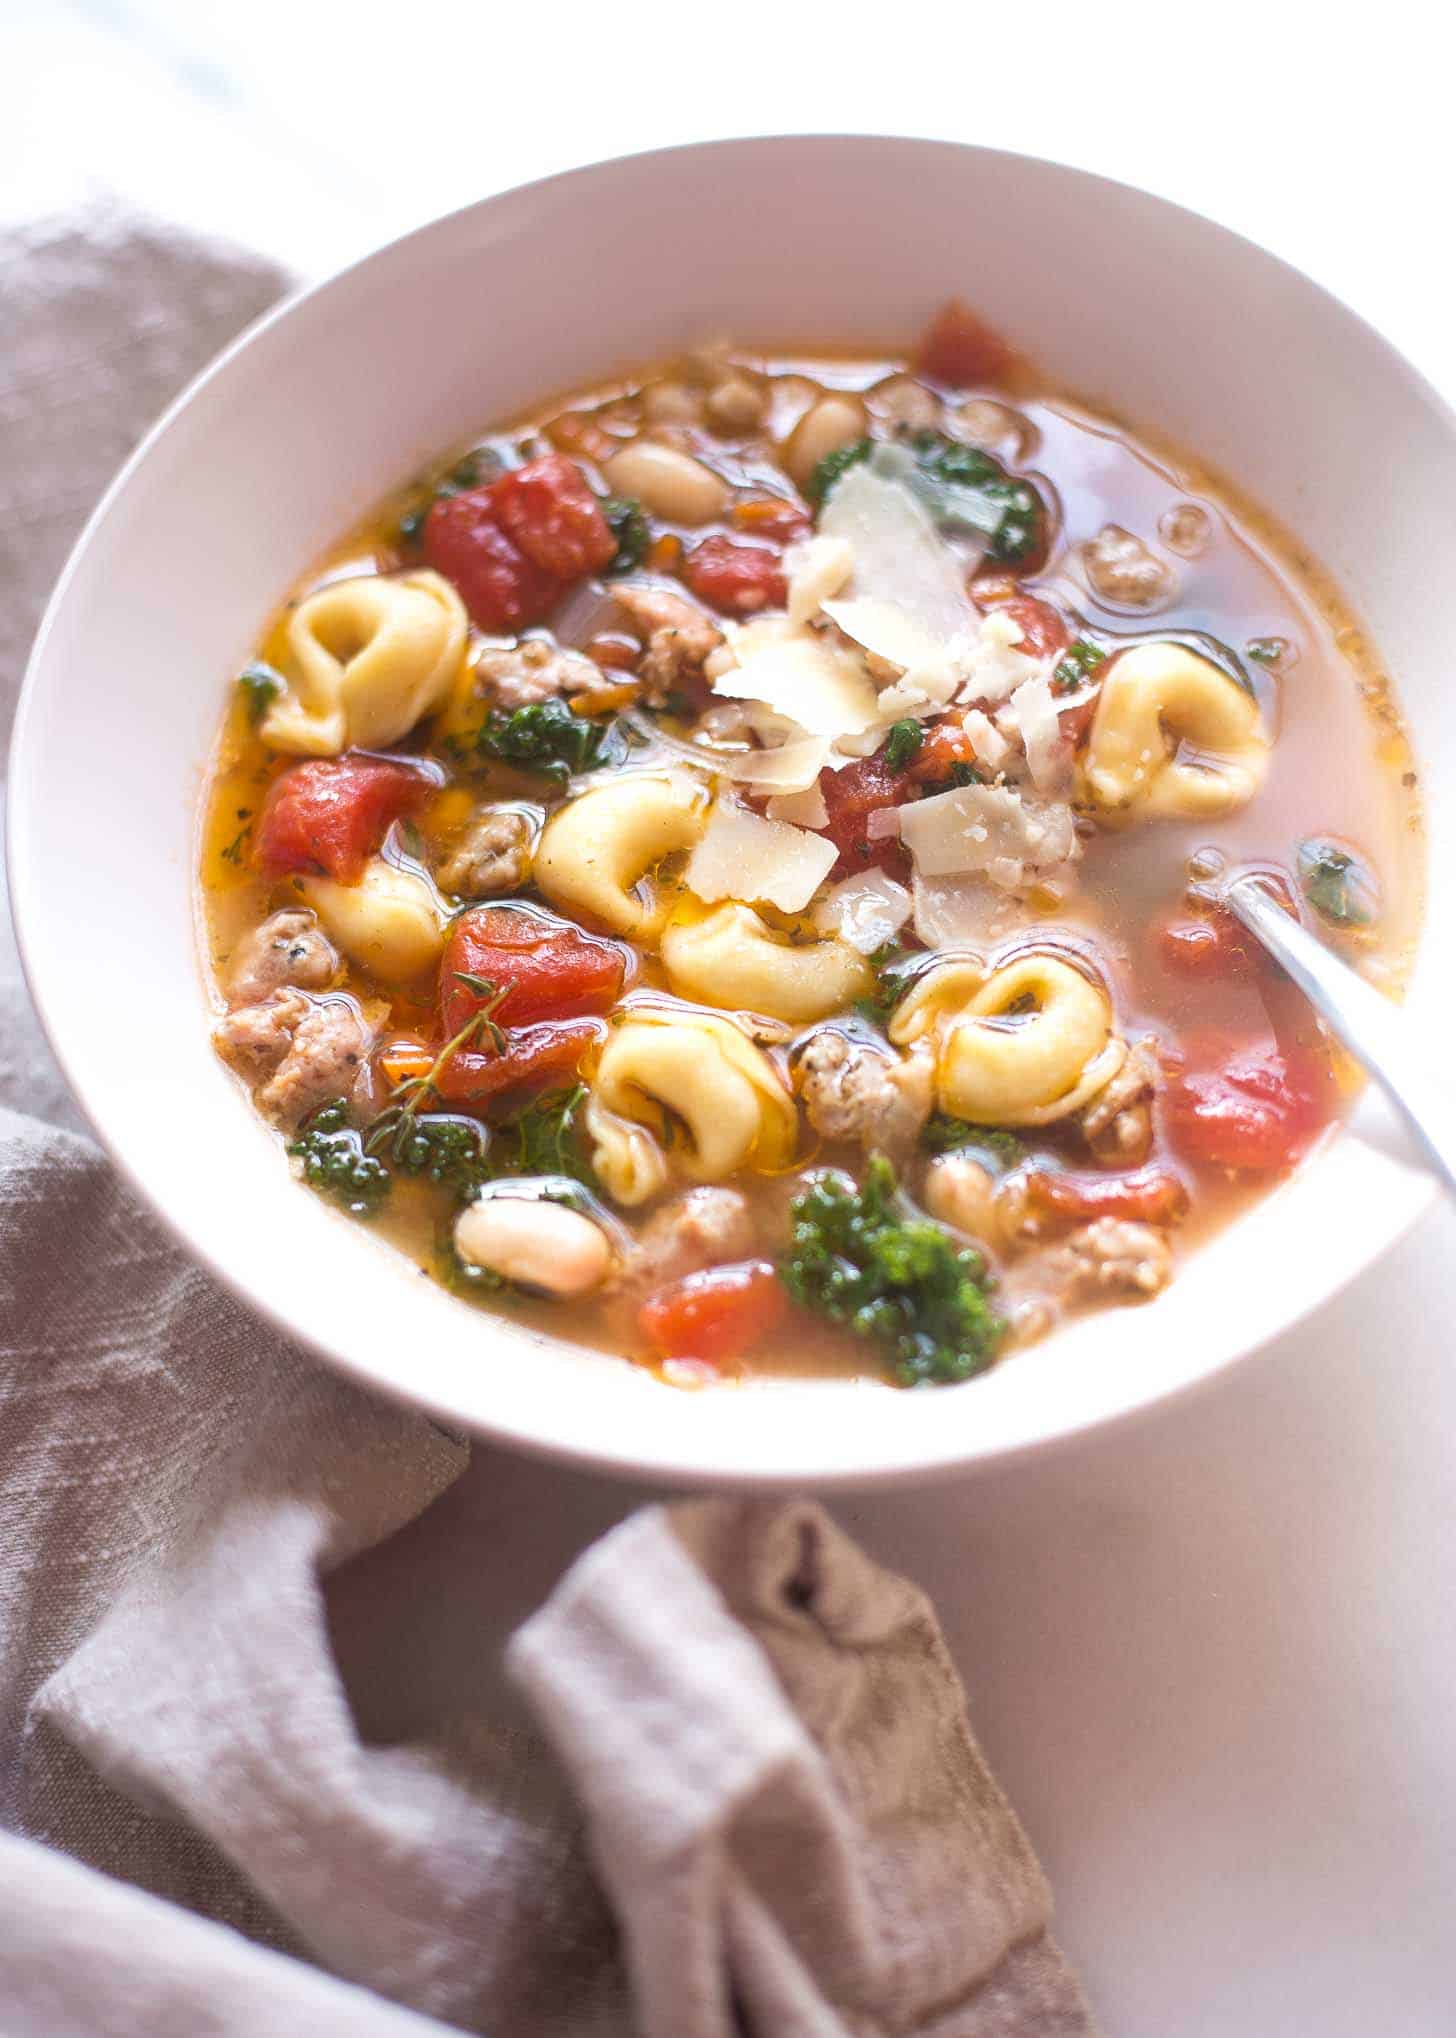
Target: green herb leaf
<point>832,466</point>
<point>891,982</point>
<point>1337,884</point>
<point>1076,665</point>
<point>962,485</point>
<point>904,743</point>
<point>860,1258</point>
<point>546,737</point>
<point>944,1134</point>
<point>441,1147</point>
<point>335,1162</point>
<point>627,522</point>
<point>548,1138</point>
<point>260,685</point>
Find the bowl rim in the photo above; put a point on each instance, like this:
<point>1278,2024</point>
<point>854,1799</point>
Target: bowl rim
<point>630,1461</point>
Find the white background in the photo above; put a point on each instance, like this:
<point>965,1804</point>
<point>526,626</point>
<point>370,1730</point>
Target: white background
<point>1211,1655</point>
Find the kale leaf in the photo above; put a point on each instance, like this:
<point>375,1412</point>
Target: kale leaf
<point>335,1163</point>
<point>1336,883</point>
<point>627,522</point>
<point>439,1146</point>
<point>832,466</point>
<point>966,486</point>
<point>260,685</point>
<point>904,743</point>
<point>548,1136</point>
<point>891,982</point>
<point>1076,665</point>
<point>944,1134</point>
<point>859,1258</point>
<point>546,737</point>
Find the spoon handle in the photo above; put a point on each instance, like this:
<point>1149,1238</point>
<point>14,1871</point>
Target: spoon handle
<point>1377,1033</point>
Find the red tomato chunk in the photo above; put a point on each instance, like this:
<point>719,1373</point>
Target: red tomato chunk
<point>328,816</point>
<point>536,1057</point>
<point>716,1315</point>
<point>1044,632</point>
<point>1208,947</point>
<point>546,967</point>
<point>514,547</point>
<point>1260,1109</point>
<point>960,349</point>
<point>1150,1195</point>
<point>851,796</point>
<point>738,579</point>
<point>548,511</point>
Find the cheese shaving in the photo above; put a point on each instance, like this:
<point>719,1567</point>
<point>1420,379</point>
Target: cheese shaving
<point>900,559</point>
<point>994,666</point>
<point>866,911</point>
<point>989,829</point>
<point>743,856</point>
<point>822,686</point>
<point>816,568</point>
<point>805,809</point>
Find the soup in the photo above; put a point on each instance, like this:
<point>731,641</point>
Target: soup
<point>729,867</point>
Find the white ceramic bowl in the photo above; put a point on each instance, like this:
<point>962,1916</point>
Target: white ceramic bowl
<point>346,389</point>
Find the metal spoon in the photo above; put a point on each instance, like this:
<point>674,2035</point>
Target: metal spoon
<point>1377,1033</point>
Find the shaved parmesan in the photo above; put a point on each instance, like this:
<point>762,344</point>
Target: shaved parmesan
<point>817,568</point>
<point>900,559</point>
<point>882,824</point>
<point>743,856</point>
<point>824,687</point>
<point>805,809</point>
<point>960,912</point>
<point>987,829</point>
<point>995,668</point>
<point>990,745</point>
<point>791,768</point>
<point>885,629</point>
<point>1034,713</point>
<point>866,911</point>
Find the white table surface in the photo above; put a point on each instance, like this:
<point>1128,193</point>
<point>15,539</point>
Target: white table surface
<point>1211,1655</point>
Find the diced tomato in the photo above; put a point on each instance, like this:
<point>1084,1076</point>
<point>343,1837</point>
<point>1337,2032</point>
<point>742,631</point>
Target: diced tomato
<point>850,797</point>
<point>1044,632</point>
<point>716,1315</point>
<point>546,509</point>
<point>501,587</point>
<point>960,349</point>
<point>945,744</point>
<point>737,579</point>
<point>329,815</point>
<point>1209,946</point>
<point>534,1058</point>
<point>1259,1108</point>
<point>772,516</point>
<point>1150,1195</point>
<point>1074,722</point>
<point>547,968</point>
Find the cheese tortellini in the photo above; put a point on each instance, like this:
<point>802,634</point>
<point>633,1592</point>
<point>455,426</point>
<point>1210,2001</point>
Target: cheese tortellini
<point>391,923</point>
<point>722,1098</point>
<point>1172,737</point>
<point>1028,1043</point>
<point>733,958</point>
<point>597,855</point>
<point>369,656</point>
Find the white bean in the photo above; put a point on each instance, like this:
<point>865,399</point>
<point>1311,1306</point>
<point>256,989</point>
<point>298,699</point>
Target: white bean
<point>903,401</point>
<point>736,405</point>
<point>670,403</point>
<point>542,1245</point>
<point>667,483</point>
<point>833,422</point>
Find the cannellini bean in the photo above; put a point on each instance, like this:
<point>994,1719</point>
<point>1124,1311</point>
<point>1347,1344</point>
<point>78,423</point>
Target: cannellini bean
<point>735,404</point>
<point>833,422</point>
<point>668,483</point>
<point>670,403</point>
<point>902,400</point>
<point>542,1245</point>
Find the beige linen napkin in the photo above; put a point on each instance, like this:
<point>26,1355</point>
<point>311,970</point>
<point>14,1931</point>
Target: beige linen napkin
<point>740,1794</point>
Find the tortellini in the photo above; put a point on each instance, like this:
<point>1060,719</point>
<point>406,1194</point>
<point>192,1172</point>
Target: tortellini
<point>597,854</point>
<point>370,655</point>
<point>1028,1043</point>
<point>1172,737</point>
<point>733,958</point>
<point>719,1098</point>
<point>391,922</point>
